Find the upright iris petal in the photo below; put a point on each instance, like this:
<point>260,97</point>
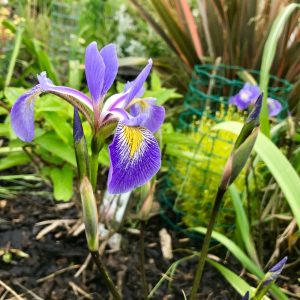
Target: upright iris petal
<point>132,89</point>
<point>135,158</point>
<point>94,71</point>
<point>110,59</point>
<point>100,69</point>
<point>137,84</point>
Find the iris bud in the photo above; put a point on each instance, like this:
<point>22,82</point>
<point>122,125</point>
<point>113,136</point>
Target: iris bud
<point>90,214</point>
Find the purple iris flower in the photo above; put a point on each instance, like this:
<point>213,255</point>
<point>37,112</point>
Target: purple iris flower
<point>248,95</point>
<point>134,152</point>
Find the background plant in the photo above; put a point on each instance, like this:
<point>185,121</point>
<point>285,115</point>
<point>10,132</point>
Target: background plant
<point>218,29</point>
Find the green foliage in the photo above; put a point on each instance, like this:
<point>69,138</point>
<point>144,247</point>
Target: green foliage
<point>268,58</point>
<point>235,281</point>
<point>116,21</point>
<point>242,224</point>
<point>242,257</point>
<point>62,180</point>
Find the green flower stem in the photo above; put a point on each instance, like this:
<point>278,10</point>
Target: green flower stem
<point>142,260</point>
<point>94,169</point>
<point>108,281</point>
<point>206,242</point>
<point>97,144</point>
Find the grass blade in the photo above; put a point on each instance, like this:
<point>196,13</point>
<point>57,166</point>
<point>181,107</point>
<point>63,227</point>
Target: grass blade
<point>242,257</point>
<point>14,56</point>
<point>235,281</point>
<point>267,60</point>
<point>243,224</point>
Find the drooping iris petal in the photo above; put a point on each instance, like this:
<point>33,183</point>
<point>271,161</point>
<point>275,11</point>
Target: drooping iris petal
<point>137,84</point>
<point>146,114</point>
<point>110,59</point>
<point>274,107</point>
<point>94,71</point>
<point>135,158</point>
<point>22,115</point>
<point>75,97</point>
<point>246,96</point>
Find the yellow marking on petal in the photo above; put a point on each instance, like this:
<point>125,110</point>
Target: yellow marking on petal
<point>134,138</point>
<point>143,104</point>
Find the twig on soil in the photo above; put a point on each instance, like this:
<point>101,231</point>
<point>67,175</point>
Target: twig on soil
<point>53,225</point>
<point>78,229</point>
<point>83,266</point>
<point>78,290</point>
<point>74,228</point>
<point>63,206</point>
<point>18,297</point>
<point>52,275</point>
<point>34,295</point>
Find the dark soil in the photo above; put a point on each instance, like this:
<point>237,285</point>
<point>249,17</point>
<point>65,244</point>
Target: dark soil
<point>60,251</point>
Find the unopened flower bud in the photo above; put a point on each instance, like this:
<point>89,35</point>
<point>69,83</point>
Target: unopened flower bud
<point>270,277</point>
<point>242,147</point>
<point>246,297</point>
<point>90,214</point>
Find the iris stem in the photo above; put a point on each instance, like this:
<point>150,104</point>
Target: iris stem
<point>94,169</point>
<point>142,260</point>
<point>108,281</point>
<point>206,242</point>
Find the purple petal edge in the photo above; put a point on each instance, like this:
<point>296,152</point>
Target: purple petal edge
<point>137,84</point>
<point>279,265</point>
<point>146,114</point>
<point>22,114</point>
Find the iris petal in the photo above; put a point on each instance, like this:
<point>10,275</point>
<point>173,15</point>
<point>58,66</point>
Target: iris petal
<point>135,158</point>
<point>146,114</point>
<point>274,107</point>
<point>110,59</point>
<point>22,115</point>
<point>132,89</point>
<point>75,97</point>
<point>137,84</point>
<point>94,71</point>
<point>129,84</point>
